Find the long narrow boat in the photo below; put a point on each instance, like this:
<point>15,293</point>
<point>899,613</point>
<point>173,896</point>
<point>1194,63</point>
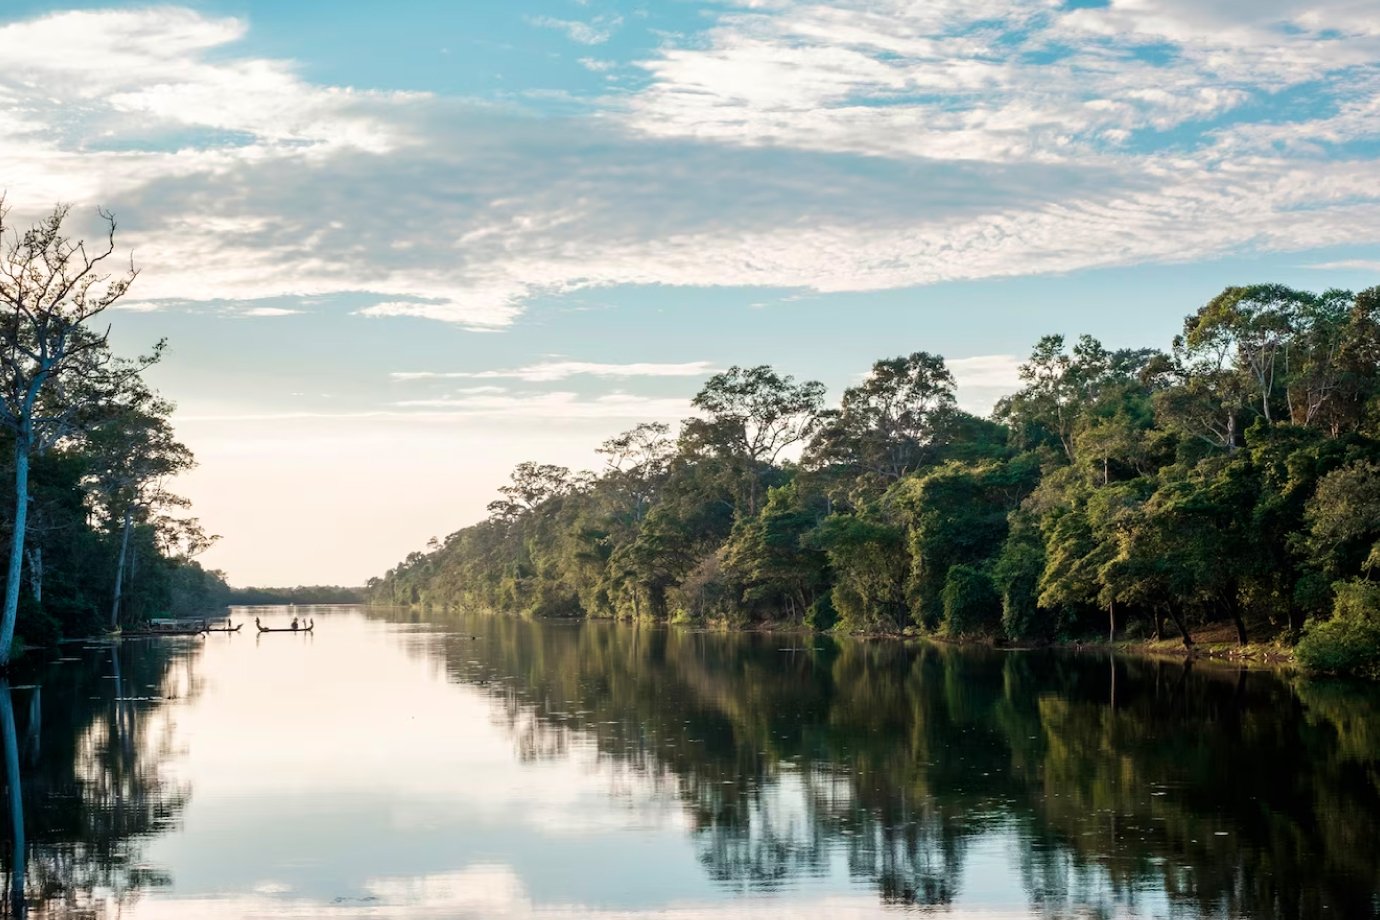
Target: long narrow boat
<point>225,628</point>
<point>300,629</point>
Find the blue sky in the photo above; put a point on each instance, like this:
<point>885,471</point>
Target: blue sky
<point>398,251</point>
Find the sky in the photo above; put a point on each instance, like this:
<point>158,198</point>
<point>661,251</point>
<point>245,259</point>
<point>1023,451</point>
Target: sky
<point>397,250</point>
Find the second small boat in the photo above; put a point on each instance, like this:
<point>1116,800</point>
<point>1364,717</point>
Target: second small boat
<point>297,629</point>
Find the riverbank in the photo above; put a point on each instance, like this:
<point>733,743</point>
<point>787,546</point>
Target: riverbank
<point>1214,642</point>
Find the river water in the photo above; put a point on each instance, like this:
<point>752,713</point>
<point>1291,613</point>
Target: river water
<point>487,767</point>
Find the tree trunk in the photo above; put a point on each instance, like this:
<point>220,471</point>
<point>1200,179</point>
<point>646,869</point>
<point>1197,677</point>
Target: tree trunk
<point>1178,619</point>
<point>120,568</point>
<point>1238,620</point>
<point>16,568</point>
<point>1295,624</point>
<point>16,800</point>
<point>36,573</point>
<point>1159,622</point>
<point>1111,621</point>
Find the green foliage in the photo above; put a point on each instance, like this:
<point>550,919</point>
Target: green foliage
<point>956,515</point>
<point>869,559</point>
<point>1349,643</point>
<point>1016,575</point>
<point>971,605</point>
<point>822,615</point>
<point>1231,479</point>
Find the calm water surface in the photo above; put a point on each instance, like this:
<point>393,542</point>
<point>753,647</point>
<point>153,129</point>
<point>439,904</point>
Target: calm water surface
<point>479,767</point>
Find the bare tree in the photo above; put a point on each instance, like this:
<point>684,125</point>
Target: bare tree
<point>52,364</point>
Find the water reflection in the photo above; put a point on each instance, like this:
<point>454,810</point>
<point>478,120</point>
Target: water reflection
<point>1103,786</point>
<point>90,786</point>
<point>492,767</point>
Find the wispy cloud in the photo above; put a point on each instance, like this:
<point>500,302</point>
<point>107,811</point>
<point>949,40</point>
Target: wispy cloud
<point>270,311</point>
<point>556,405</point>
<point>548,371</point>
<point>1002,80</point>
<point>595,32</point>
<point>1347,265</point>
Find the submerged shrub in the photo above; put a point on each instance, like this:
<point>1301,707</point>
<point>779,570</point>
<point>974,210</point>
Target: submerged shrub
<point>1349,643</point>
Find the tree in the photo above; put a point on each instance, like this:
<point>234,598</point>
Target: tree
<point>638,461</point>
<point>1343,520</point>
<point>532,484</point>
<point>132,452</point>
<point>884,425</point>
<point>1254,327</point>
<point>52,364</point>
<point>751,416</point>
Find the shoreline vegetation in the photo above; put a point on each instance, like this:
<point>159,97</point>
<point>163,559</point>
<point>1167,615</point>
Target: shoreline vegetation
<point>95,539</point>
<point>1229,484</point>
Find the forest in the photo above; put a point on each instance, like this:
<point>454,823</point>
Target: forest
<point>95,537</point>
<point>1230,482</point>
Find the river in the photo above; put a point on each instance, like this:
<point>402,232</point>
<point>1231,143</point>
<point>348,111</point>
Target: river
<point>470,766</point>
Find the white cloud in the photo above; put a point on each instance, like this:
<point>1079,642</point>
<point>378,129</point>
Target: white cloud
<point>987,371</point>
<point>555,405</point>
<point>133,71</point>
<point>986,140</point>
<point>270,311</point>
<point>984,379</point>
<point>1349,265</point>
<point>548,371</point>
<point>999,80</point>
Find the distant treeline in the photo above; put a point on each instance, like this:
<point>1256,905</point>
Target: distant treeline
<point>1233,479</point>
<point>302,594</point>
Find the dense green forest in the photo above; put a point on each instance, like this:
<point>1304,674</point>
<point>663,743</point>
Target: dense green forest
<point>1233,479</point>
<point>95,537</point>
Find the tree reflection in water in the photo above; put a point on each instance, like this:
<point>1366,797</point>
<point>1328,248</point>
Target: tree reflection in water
<point>1183,789</point>
<point>92,784</point>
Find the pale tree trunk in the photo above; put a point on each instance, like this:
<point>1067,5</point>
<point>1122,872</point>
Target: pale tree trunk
<point>120,568</point>
<point>36,573</point>
<point>16,567</point>
<point>16,800</point>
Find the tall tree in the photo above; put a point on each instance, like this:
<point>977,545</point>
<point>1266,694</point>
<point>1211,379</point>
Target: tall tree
<point>885,425</point>
<point>751,417</point>
<point>531,485</point>
<point>52,363</point>
<point>132,452</point>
